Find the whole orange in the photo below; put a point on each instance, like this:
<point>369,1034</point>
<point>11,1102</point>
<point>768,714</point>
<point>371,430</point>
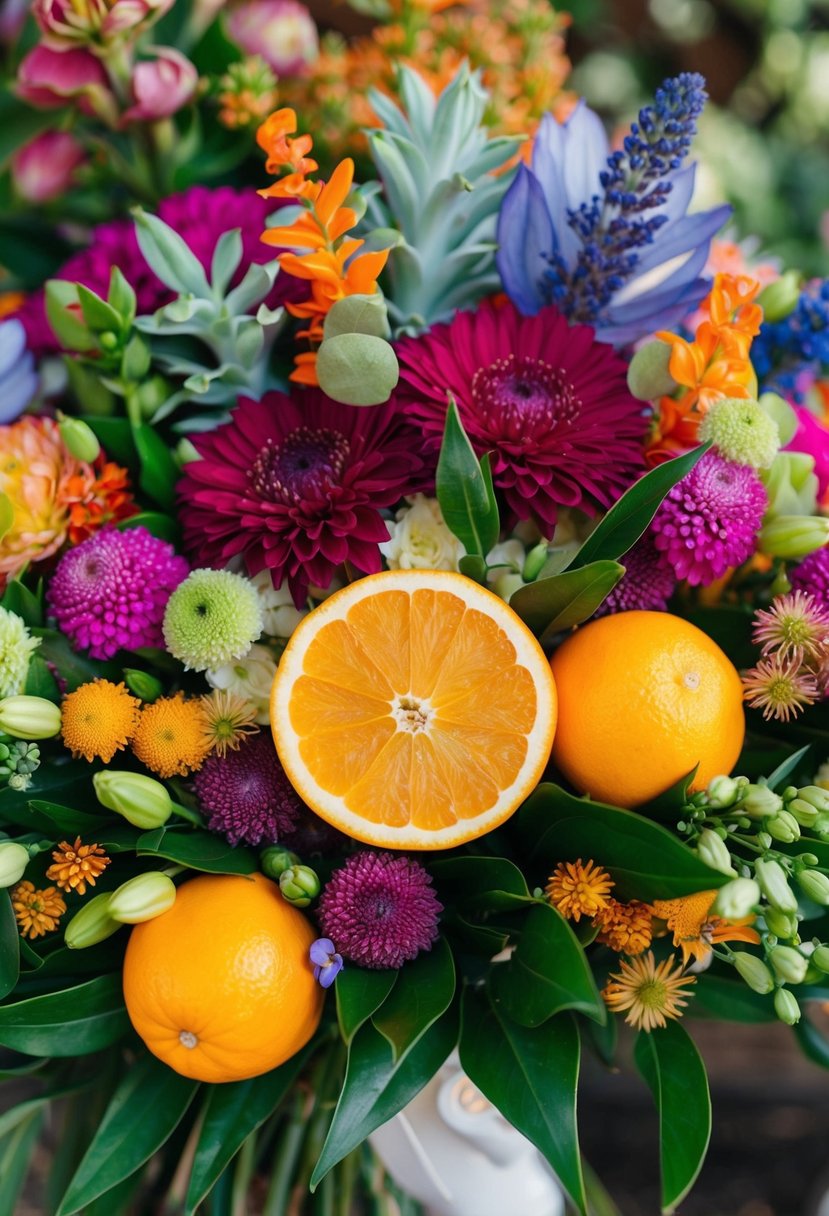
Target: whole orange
<point>643,697</point>
<point>221,987</point>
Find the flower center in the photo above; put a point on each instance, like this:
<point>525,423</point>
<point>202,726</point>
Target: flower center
<point>411,713</point>
<point>523,392</point>
<point>652,994</point>
<point>303,466</point>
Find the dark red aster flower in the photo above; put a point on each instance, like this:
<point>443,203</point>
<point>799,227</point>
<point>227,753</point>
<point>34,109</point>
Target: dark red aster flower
<point>246,794</point>
<point>296,486</point>
<point>548,401</point>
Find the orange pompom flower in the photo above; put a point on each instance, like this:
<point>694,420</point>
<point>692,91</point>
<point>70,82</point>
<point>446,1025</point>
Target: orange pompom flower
<point>173,736</point>
<point>37,911</point>
<point>77,865</point>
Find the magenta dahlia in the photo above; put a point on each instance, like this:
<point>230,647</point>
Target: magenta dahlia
<point>199,215</point>
<point>708,521</point>
<point>380,910</point>
<point>647,584</point>
<point>109,593</point>
<point>812,576</point>
<point>548,401</point>
<point>246,794</point>
<point>296,487</point>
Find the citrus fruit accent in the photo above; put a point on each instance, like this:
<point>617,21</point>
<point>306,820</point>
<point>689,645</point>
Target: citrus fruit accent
<point>221,987</point>
<point>643,697</point>
<point>413,710</point>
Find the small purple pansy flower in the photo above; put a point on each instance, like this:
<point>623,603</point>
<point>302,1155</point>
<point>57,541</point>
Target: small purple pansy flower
<point>327,963</point>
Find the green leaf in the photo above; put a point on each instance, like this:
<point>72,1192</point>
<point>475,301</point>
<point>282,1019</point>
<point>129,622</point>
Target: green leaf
<point>728,1000</point>
<point>96,312</point>
<point>22,1110</point>
<point>784,770</point>
<point>424,991</point>
<point>9,946</point>
<point>551,605</point>
<point>376,1087</point>
<point>19,599</point>
<point>169,256</point>
<point>68,821</point>
<point>464,489</point>
<point>75,669</point>
<point>531,1076</point>
<point>670,803</point>
<point>811,1042</point>
<point>628,518</point>
<point>159,471</point>
<point>121,296</point>
<point>359,994</point>
<point>473,566</point>
<point>145,1109</point>
<point>644,859</point>
<point>115,437</point>
<point>480,883</point>
<point>16,1158</point>
<point>162,526</point>
<point>197,850</point>
<point>675,1074</point>
<point>547,973</point>
<point>39,680</point>
<point>74,1022</point>
<point>61,304</point>
<point>231,1113</point>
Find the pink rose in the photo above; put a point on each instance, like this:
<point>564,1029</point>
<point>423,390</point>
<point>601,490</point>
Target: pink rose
<point>65,24</point>
<point>43,169</point>
<point>161,86</point>
<point>47,79</point>
<point>281,31</point>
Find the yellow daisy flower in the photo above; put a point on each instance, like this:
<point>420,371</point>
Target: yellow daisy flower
<point>650,992</point>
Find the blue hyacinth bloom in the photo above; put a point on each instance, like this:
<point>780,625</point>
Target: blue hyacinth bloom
<point>18,379</point>
<point>606,235</point>
<point>784,350</point>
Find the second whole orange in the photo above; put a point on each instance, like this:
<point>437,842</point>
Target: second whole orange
<point>221,987</point>
<point>643,698</point>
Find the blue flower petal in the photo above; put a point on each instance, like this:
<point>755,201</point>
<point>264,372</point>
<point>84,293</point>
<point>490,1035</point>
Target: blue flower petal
<point>525,240</point>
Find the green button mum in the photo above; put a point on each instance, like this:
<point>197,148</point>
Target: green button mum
<point>212,618</point>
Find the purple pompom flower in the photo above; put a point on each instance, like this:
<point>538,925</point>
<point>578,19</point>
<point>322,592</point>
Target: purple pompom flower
<point>708,521</point>
<point>109,593</point>
<point>812,576</point>
<point>380,910</point>
<point>327,963</point>
<point>246,794</point>
<point>647,584</point>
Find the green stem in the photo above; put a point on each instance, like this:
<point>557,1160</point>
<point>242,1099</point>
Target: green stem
<point>347,1180</point>
<point>186,813</point>
<point>283,1175</point>
<point>325,1196</point>
<point>246,1161</point>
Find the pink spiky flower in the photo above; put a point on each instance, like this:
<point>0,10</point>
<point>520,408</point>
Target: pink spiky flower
<point>780,687</point>
<point>795,626</point>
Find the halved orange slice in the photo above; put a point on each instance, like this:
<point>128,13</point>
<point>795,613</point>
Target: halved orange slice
<point>413,710</point>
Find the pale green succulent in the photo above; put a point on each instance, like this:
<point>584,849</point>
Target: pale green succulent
<point>439,201</point>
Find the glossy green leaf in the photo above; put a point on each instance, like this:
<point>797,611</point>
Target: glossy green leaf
<point>9,946</point>
<point>531,1076</point>
<point>424,991</point>
<point>812,1043</point>
<point>73,1022</point>
<point>197,850</point>
<point>480,883</point>
<point>464,489</point>
<point>628,518</point>
<point>21,1111</point>
<point>644,859</point>
<point>115,437</point>
<point>547,973</point>
<point>75,669</point>
<point>19,599</point>
<point>231,1113</point>
<point>159,471</point>
<point>551,605</point>
<point>69,781</point>
<point>359,994</point>
<point>162,526</point>
<point>783,771</point>
<point>68,821</point>
<point>474,567</point>
<point>376,1087</point>
<point>145,1109</point>
<point>39,680</point>
<point>730,1000</point>
<point>669,804</point>
<point>15,1159</point>
<point>96,312</point>
<point>675,1074</point>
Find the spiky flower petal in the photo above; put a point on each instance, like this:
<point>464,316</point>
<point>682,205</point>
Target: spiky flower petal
<point>780,687</point>
<point>796,625</point>
<point>577,889</point>
<point>650,992</point>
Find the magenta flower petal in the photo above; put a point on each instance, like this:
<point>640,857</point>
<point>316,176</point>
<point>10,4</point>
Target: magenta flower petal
<point>246,794</point>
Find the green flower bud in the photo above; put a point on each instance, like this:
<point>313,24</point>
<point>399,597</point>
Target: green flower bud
<point>808,859</point>
<point>714,852</point>
<point>815,886</point>
<point>763,839</point>
<point>759,802</point>
<point>358,314</point>
<point>534,561</point>
<point>648,374</point>
<point>779,299</point>
<point>143,801</point>
<point>793,536</point>
<point>781,924</point>
<point>775,885</point>
<point>786,1007</point>
<point>737,899</point>
<point>151,395</point>
<point>274,861</point>
<point>816,796</point>
<point>805,814</point>
<point>13,861</point>
<point>357,369</point>
<point>142,898</point>
<point>79,438</point>
<point>822,825</point>
<point>783,827</point>
<point>791,485</point>
<point>91,925</point>
<point>299,885</point>
<point>754,972</point>
<point>722,792</point>
<point>29,717</point>
<point>145,686</point>
<point>820,958</point>
<point>789,965</point>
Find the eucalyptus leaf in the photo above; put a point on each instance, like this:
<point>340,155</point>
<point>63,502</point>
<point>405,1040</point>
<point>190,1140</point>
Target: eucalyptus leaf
<point>73,1022</point>
<point>424,990</point>
<point>551,605</point>
<point>169,257</point>
<point>464,489</point>
<point>97,314</point>
<point>360,993</point>
<point>675,1074</point>
<point>226,258</point>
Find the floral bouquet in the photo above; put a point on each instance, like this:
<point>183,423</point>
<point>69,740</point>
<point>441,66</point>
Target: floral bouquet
<point>415,603</point>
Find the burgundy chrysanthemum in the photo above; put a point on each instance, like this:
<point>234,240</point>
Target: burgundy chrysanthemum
<point>812,576</point>
<point>380,910</point>
<point>109,593</point>
<point>246,793</point>
<point>547,401</point>
<point>199,215</point>
<point>296,487</point>
<point>708,521</point>
<point>647,584</point>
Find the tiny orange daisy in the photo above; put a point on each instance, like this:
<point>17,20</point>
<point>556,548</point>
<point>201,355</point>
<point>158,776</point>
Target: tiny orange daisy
<point>77,865</point>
